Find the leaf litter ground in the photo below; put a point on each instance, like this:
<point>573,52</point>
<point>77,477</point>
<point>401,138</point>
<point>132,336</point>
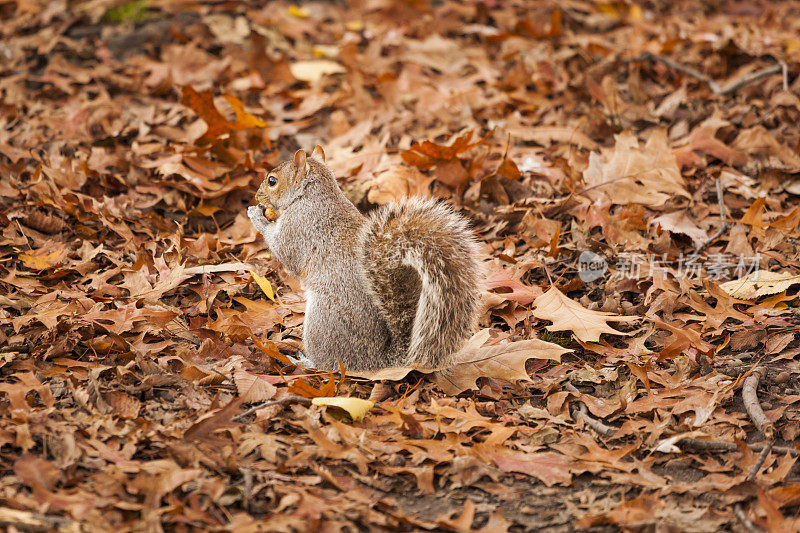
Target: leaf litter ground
<point>628,166</point>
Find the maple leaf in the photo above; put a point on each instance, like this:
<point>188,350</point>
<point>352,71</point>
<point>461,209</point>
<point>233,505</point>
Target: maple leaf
<point>629,173</point>
<point>569,315</point>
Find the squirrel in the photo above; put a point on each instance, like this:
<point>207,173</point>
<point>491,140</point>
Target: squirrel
<point>397,287</point>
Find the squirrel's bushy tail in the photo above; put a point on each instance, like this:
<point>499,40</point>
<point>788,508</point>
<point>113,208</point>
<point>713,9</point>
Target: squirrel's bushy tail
<point>422,262</point>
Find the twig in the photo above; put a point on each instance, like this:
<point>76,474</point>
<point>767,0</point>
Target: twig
<point>713,85</point>
<point>752,406</point>
<point>723,227</point>
<point>581,413</point>
<point>716,446</point>
<point>681,68</point>
<point>282,401</point>
<point>746,523</point>
<point>760,461</point>
<point>749,78</point>
<point>785,74</point>
<point>248,487</point>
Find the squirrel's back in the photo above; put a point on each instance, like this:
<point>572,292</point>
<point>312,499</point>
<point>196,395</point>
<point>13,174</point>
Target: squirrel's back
<point>421,261</point>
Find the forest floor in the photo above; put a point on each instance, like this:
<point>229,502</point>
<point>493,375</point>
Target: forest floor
<point>631,169</point>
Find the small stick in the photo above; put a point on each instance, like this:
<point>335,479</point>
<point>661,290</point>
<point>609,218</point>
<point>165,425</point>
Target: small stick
<point>760,461</point>
<point>749,78</point>
<point>746,523</point>
<point>723,222</point>
<point>248,487</point>
<point>716,446</point>
<point>785,74</point>
<point>752,405</point>
<point>581,413</point>
<point>282,401</point>
<point>714,86</point>
<point>681,68</point>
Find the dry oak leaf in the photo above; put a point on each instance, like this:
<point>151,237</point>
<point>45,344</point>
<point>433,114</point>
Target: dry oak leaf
<point>629,173</point>
<point>501,361</point>
<point>48,256</point>
<point>203,105</point>
<point>549,467</point>
<point>473,361</point>
<point>679,222</point>
<point>760,283</point>
<point>568,314</point>
<point>253,388</point>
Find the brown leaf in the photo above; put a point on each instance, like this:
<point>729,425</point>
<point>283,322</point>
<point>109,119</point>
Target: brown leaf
<point>629,173</point>
<point>569,315</point>
<point>501,361</point>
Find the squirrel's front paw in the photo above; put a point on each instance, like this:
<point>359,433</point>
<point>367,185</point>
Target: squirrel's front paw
<point>256,214</point>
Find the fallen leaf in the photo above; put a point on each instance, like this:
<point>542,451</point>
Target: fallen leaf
<point>264,284</point>
<point>504,361</point>
<point>629,173</point>
<point>355,407</point>
<point>760,283</point>
<point>569,315</point>
<point>313,70</point>
<point>252,388</point>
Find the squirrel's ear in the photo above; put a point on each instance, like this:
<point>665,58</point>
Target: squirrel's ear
<point>318,154</point>
<point>299,160</point>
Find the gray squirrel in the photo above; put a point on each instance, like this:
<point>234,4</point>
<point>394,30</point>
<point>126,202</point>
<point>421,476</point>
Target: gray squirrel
<point>399,287</point>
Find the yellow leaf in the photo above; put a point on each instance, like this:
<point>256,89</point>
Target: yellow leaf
<point>607,9</point>
<point>568,314</point>
<point>355,407</point>
<point>43,258</point>
<point>315,69</point>
<point>264,284</point>
<point>791,46</point>
<point>759,283</point>
<point>299,12</point>
<point>354,25</point>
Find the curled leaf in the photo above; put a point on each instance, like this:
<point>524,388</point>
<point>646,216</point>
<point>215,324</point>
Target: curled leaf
<point>355,407</point>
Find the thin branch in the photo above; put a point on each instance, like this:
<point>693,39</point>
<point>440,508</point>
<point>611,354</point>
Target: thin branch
<point>730,87</point>
<point>717,446</point>
<point>282,401</point>
<point>681,68</point>
<point>581,413</point>
<point>752,405</point>
<point>746,523</point>
<point>723,226</point>
<point>749,78</point>
<point>785,74</point>
<point>760,461</point>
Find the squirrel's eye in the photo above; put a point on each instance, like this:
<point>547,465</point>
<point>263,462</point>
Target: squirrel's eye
<point>272,181</point>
